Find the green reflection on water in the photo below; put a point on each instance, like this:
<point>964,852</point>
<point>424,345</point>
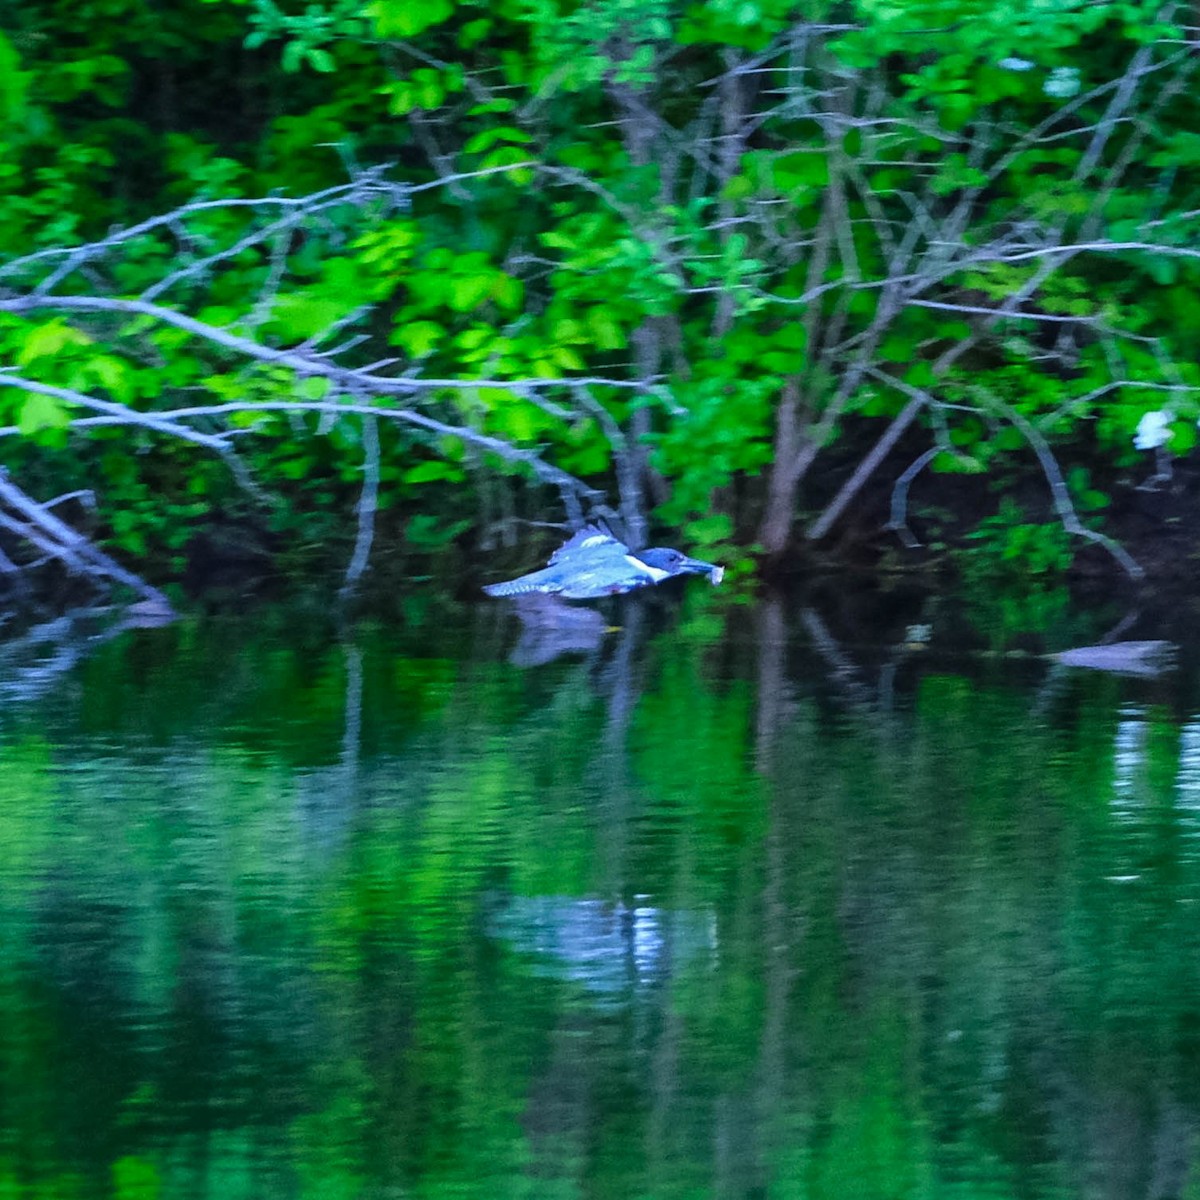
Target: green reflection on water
<point>689,915</point>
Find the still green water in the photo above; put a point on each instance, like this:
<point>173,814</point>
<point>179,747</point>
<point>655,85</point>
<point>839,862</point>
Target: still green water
<point>716,905</point>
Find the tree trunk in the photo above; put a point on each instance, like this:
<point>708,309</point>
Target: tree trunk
<point>784,476</point>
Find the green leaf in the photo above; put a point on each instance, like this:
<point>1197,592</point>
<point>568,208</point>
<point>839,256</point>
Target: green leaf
<point>897,348</point>
<point>710,530</point>
<point>321,60</point>
<point>429,472</point>
<point>112,374</point>
<point>519,421</point>
<point>919,375</point>
<point>48,340</point>
<point>471,34</point>
<point>606,332</point>
<point>42,412</point>
<point>508,292</point>
<point>566,357</point>
<point>505,156</point>
<point>487,138</point>
<point>315,387</point>
<point>466,292</point>
<point>1183,436</point>
<point>801,169</point>
<point>1005,438</point>
<point>14,83</point>
<point>491,106</point>
<point>404,18</point>
<point>302,315</point>
<point>1163,270</point>
<point>791,336</point>
<point>419,338</point>
<point>956,464</point>
<point>293,56</point>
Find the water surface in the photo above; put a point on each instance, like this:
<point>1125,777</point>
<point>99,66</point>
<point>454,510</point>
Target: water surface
<point>724,903</point>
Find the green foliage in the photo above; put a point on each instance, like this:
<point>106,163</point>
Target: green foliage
<point>1008,543</point>
<point>577,209</point>
<point>308,34</point>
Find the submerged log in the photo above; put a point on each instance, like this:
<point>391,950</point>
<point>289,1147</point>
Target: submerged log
<point>1127,658</point>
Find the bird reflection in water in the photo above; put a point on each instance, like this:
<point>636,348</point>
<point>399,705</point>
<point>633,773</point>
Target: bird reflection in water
<point>551,628</point>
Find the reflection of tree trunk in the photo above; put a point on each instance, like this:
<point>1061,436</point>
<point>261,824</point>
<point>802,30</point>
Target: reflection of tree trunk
<point>1127,1144</point>
<point>623,687</point>
<point>662,1139</point>
<point>1174,1150</point>
<point>772,657</point>
<point>561,1105</point>
<point>844,672</point>
<point>780,934</point>
<point>758,930</point>
<point>778,927</point>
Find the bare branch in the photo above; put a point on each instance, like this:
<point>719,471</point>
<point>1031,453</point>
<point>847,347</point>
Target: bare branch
<point>37,525</point>
<point>367,503</point>
<point>1093,247</point>
<point>898,523</point>
<point>865,469</point>
<point>92,249</point>
<point>122,413</point>
<point>983,310</point>
<point>306,364</point>
<point>505,450</point>
<point>1060,493</point>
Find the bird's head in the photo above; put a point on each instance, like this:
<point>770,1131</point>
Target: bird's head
<point>663,558</point>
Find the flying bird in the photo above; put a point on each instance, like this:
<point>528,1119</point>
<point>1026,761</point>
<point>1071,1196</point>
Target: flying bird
<point>593,564</point>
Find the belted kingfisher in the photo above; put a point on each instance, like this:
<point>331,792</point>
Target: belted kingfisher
<point>594,564</point>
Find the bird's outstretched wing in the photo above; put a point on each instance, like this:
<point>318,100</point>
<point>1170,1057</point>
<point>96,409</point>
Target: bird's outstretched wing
<point>588,538</point>
<point>599,572</point>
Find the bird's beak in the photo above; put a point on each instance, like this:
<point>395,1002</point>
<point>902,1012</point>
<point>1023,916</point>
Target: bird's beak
<point>695,566</point>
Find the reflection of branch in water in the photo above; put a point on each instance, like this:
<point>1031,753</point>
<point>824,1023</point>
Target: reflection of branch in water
<point>352,725</point>
<point>57,645</point>
<point>552,628</point>
<point>872,703</point>
<point>328,798</point>
<point>844,674</point>
<point>1144,659</point>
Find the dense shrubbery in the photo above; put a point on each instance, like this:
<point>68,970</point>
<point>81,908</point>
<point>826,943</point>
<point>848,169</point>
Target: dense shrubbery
<point>676,255</point>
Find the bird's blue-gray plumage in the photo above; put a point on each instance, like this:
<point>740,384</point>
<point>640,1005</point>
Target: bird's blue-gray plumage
<point>594,564</point>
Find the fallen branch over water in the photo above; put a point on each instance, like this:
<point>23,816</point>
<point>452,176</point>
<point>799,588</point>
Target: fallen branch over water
<point>31,524</point>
